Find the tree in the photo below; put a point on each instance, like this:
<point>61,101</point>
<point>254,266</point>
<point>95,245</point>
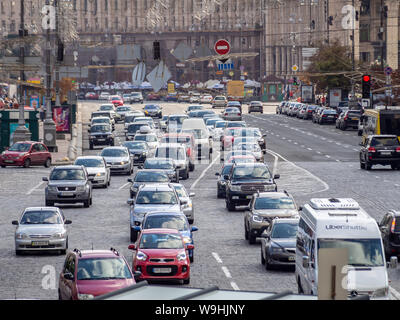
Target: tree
<point>330,58</point>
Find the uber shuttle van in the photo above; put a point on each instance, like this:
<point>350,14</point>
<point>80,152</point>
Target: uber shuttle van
<point>341,223</point>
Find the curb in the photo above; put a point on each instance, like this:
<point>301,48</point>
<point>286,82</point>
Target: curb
<point>75,146</point>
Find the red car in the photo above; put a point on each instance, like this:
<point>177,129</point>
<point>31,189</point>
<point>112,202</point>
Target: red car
<point>91,273</point>
<point>24,154</point>
<point>228,136</point>
<point>117,101</point>
<point>161,254</point>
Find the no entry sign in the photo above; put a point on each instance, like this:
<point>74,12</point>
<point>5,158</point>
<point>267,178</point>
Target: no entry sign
<point>222,47</point>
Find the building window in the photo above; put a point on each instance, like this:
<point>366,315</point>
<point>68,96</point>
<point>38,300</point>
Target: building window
<point>85,6</point>
<point>2,7</point>
<point>116,4</point>
<point>364,32</point>
<point>106,5</point>
<point>106,23</point>
<point>95,7</point>
<point>365,56</point>
<point>12,26</point>
<point>365,8</point>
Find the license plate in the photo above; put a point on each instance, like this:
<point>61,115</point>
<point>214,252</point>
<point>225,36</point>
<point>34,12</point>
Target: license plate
<point>354,119</point>
<point>136,156</point>
<point>8,161</point>
<point>249,197</point>
<point>386,153</point>
<point>39,243</point>
<point>66,194</point>
<point>291,258</point>
<point>162,270</point>
<point>101,139</point>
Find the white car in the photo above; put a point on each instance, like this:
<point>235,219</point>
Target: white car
<point>97,168</point>
<point>218,130</point>
<point>150,138</point>
<point>195,97</point>
<point>254,148</point>
<point>207,98</point>
<point>104,96</point>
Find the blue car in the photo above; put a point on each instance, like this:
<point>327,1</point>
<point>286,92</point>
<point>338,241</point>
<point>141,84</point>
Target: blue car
<point>170,220</point>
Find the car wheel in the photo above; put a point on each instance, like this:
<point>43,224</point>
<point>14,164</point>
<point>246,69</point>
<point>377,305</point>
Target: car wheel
<point>27,163</point>
<point>18,252</point>
<point>252,238</point>
<point>191,258</point>
<point>230,206</point>
<point>246,233</point>
<point>344,127</point>
<point>268,266</point>
<point>133,235</point>
<point>186,281</point>
<point>186,176</point>
<point>59,295</point>
<point>109,182</point>
<point>47,164</point>
<point>299,287</point>
<point>219,195</point>
<point>394,166</point>
<point>86,203</point>
<point>191,167</point>
<point>262,257</point>
<point>49,203</point>
<point>63,252</point>
<point>91,146</point>
<point>91,201</point>
<point>368,166</point>
<point>3,166</point>
<point>362,165</point>
<point>359,133</point>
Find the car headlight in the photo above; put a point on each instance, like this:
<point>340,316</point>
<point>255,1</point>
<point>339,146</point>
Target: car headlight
<point>141,256</point>
<point>22,154</point>
<point>21,235</point>
<point>181,256</point>
<point>85,296</point>
<point>124,162</point>
<point>222,183</point>
<point>100,174</point>
<point>382,292</point>
<point>58,235</point>
<point>187,240</point>
<point>235,188</point>
<point>257,218</point>
<point>52,188</point>
<point>80,188</point>
<point>269,187</point>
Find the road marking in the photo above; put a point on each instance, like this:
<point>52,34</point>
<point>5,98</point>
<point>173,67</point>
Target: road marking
<point>234,286</point>
<point>34,188</point>
<point>394,293</point>
<point>309,149</point>
<point>204,171</point>
<point>125,185</point>
<point>226,271</point>
<point>327,156</point>
<point>216,257</point>
<point>319,152</point>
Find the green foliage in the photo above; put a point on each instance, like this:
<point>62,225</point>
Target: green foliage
<point>330,58</point>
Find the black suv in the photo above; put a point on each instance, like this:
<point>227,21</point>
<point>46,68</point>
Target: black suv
<point>390,230</point>
<point>100,134</point>
<point>380,149</point>
<point>244,180</point>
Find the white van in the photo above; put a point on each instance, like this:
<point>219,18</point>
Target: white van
<point>202,136</point>
<point>341,223</point>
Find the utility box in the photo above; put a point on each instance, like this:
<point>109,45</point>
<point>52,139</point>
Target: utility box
<point>9,122</point>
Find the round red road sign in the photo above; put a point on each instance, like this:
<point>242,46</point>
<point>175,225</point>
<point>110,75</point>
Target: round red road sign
<point>222,47</point>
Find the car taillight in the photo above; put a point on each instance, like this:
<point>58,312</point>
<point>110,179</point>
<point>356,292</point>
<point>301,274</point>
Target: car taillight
<point>238,114</point>
<point>371,149</point>
<point>324,115</point>
<point>309,111</point>
<point>345,118</point>
<point>398,149</point>
<point>226,113</point>
<point>393,225</point>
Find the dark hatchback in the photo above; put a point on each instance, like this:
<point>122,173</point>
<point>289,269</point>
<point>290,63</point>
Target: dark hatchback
<point>380,149</point>
<point>153,110</point>
<point>100,135</point>
<point>139,151</point>
<point>327,116</point>
<point>349,119</point>
<point>226,169</point>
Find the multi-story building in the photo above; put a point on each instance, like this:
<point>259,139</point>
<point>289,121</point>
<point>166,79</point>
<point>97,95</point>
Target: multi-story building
<point>104,25</point>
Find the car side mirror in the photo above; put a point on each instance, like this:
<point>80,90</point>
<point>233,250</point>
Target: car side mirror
<point>130,180</point>
<point>137,275</point>
<point>131,202</point>
<point>277,176</point>
<point>68,276</point>
<point>67,222</point>
<point>264,135</point>
<point>45,179</point>
<point>217,174</point>
<point>132,247</point>
<point>193,229</point>
<point>306,262</point>
<point>361,144</point>
<point>192,195</point>
<point>189,246</point>
<point>91,178</point>
<point>226,177</point>
<point>108,166</point>
<point>393,262</point>
<point>15,223</point>
<point>265,235</point>
<point>300,208</point>
<point>184,201</point>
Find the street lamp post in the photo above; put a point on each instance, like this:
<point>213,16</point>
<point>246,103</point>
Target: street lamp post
<point>22,133</point>
<point>49,127</point>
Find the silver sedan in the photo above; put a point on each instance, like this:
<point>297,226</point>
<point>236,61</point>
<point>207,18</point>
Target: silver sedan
<point>41,228</point>
<point>188,208</point>
<point>232,114</point>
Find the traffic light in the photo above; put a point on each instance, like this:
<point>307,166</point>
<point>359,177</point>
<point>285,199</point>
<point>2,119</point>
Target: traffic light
<point>295,81</point>
<point>366,86</point>
<point>156,50</point>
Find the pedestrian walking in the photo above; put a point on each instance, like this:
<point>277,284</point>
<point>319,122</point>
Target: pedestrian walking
<point>41,113</point>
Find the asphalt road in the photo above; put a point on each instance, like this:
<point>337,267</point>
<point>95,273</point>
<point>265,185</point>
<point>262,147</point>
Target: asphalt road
<point>313,161</point>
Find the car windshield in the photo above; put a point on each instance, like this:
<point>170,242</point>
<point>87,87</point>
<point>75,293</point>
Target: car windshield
<point>220,124</point>
<point>136,94</point>
<point>67,174</point>
<point>274,203</point>
<point>173,153</point>
<point>248,146</point>
<point>41,217</point>
<point>251,172</point>
<point>135,127</point>
<point>181,191</point>
<point>361,252</point>
<point>100,128</point>
<point>227,169</point>
<point>151,107</point>
<point>382,142</point>
<point>100,120</point>
<point>167,222</point>
<point>151,176</point>
<point>103,269</point>
<point>90,163</point>
<point>199,134</point>
<point>106,108</point>
<point>136,145</point>
<point>20,147</point>
<point>147,138</point>
<point>161,241</point>
<point>243,160</point>
<point>235,124</point>
<point>219,98</point>
<point>101,114</point>
<point>329,112</point>
<point>284,230</point>
<point>158,164</point>
<point>210,122</point>
<point>355,113</point>
<point>122,109</point>
<point>232,110</point>
<point>156,197</point>
<point>192,108</point>
<point>114,153</point>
